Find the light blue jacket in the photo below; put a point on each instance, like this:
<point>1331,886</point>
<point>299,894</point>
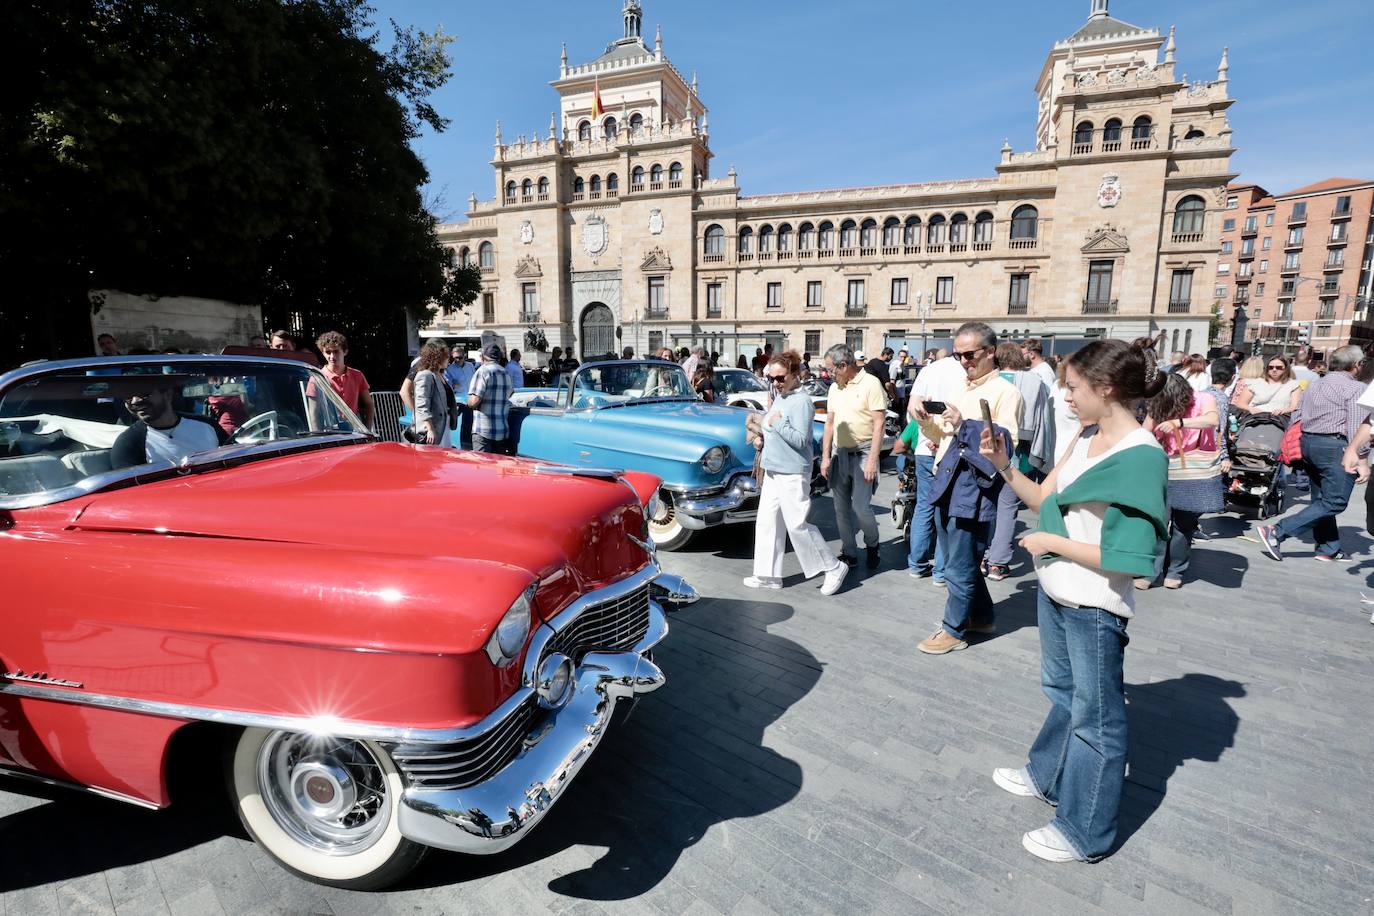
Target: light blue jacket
<point>787,445</point>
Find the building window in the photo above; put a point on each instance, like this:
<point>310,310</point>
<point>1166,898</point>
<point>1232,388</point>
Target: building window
<point>637,178</point>
<point>1267,243</point>
<point>856,294</point>
<point>1141,129</point>
<point>657,304</point>
<point>868,234</point>
<point>1232,203</point>
<point>656,174</point>
<point>1244,270</point>
<point>712,300</point>
<point>579,185</point>
<point>911,231</point>
<point>899,286</point>
<point>486,255</point>
<point>1269,219</point>
<point>982,227</point>
<point>1342,206</point>
<point>1111,133</point>
<point>1335,257</point>
<point>1252,224</point>
<point>813,294</point>
<point>765,240</point>
<point>584,130</point>
<point>1290,261</point>
<point>853,339</point>
<point>784,237</point>
<point>636,122</point>
<point>1259,290</point>
<point>1181,291</point>
<point>526,188</point>
<point>612,185</point>
<point>813,342</point>
<point>1228,225</point>
<point>746,240</point>
<point>1294,236</point>
<point>1025,222</point>
<point>1099,284</point>
<point>935,230</point>
<point>715,241</point>
<point>488,308</point>
<point>848,234</point>
<point>1299,211</point>
<point>1220,292</point>
<point>892,232</point>
<point>1338,231</point>
<point>675,174</point>
<point>1223,269</point>
<point>1226,248</point>
<point>1264,266</point>
<point>958,229</point>
<point>544,186</point>
<point>944,290</point>
<point>775,295</point>
<point>1188,216</point>
<point>825,236</point>
<point>806,237</point>
<point>609,128</point>
<point>529,302</point>
<point>595,184</point>
<point>1018,299</point>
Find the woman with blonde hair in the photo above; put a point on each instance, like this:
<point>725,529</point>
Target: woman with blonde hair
<point>1277,393</point>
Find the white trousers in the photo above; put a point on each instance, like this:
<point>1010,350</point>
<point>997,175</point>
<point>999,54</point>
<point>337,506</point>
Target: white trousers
<point>783,507</point>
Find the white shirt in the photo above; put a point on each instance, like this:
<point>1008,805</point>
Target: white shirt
<point>1046,374</point>
<point>186,438</point>
<point>1066,422</point>
<point>942,380</point>
<point>516,373</point>
<point>1073,584</point>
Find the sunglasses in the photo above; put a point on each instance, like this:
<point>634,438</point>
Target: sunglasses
<point>969,356</point>
<point>1279,368</point>
<point>776,378</point>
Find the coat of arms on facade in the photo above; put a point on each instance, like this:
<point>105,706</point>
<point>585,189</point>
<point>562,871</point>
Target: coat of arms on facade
<point>595,236</point>
<point>1109,192</point>
<point>526,233</point>
<point>655,221</point>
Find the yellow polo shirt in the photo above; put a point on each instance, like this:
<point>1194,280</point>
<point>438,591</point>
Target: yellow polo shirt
<point>853,406</point>
<point>1003,398</point>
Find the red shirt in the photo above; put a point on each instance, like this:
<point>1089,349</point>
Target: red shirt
<point>350,386</point>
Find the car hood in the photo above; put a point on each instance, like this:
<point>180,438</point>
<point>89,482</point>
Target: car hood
<point>386,498</point>
<point>721,425</point>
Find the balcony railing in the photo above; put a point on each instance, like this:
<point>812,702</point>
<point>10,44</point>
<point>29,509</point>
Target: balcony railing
<point>1341,239</point>
<point>1291,243</point>
<point>529,317</point>
<point>510,198</point>
<point>674,185</point>
<point>1023,244</point>
<point>1249,230</point>
<point>982,246</point>
<point>1242,298</point>
<point>488,316</point>
<point>578,195</point>
<point>935,248</point>
<point>656,313</point>
<point>543,197</point>
<point>855,311</point>
<point>488,268</point>
<point>527,198</point>
<point>847,252</point>
<point>1099,306</point>
<point>1180,307</point>
<point>1246,254</point>
<point>1342,212</point>
<point>911,249</point>
<point>710,258</point>
<point>1187,238</point>
<point>1111,146</point>
<point>1297,219</point>
<point>655,186</point>
<point>890,250</point>
<point>1326,310</point>
<point>1017,308</point>
<point>1330,289</point>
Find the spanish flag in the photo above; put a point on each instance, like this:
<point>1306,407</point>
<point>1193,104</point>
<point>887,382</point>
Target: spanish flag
<point>597,109</point>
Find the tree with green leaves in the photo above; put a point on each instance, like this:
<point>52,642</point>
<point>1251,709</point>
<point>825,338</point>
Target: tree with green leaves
<point>256,151</point>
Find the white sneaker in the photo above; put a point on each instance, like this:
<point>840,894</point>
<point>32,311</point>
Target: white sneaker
<point>1014,781</point>
<point>1049,844</point>
<point>762,582</point>
<point>834,578</point>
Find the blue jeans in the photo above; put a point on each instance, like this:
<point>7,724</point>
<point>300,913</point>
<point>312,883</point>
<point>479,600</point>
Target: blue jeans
<point>924,544</point>
<point>964,542</point>
<point>1078,761</point>
<point>1178,549</point>
<point>1331,487</point>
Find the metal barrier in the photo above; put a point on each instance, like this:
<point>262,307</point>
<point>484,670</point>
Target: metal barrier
<point>388,408</point>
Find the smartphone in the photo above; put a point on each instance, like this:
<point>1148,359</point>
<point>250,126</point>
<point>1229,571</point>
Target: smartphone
<point>987,412</point>
<point>933,407</point>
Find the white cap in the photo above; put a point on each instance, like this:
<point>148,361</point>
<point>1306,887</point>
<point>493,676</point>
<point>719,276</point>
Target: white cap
<point>859,354</point>
<point>904,350</point>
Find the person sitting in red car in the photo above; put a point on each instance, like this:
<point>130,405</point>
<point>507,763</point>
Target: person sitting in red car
<point>161,434</point>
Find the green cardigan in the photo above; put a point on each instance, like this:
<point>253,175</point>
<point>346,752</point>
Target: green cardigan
<point>1134,484</point>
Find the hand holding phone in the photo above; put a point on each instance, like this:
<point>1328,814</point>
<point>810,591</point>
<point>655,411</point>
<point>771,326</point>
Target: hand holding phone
<point>987,412</point>
<point>935,408</point>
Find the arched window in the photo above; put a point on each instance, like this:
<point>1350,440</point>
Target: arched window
<point>849,234</point>
<point>465,256</point>
<point>487,255</point>
<point>746,240</point>
<point>584,130</point>
<point>765,239</point>
<point>868,234</point>
<point>785,237</point>
<point>636,122</point>
<point>1141,128</point>
<point>608,128</point>
<point>544,185</point>
<point>675,172</point>
<point>1083,134</point>
<point>958,229</point>
<point>911,232</point>
<point>526,187</point>
<point>806,237</point>
<point>892,231</point>
<point>579,185</point>
<point>715,240</point>
<point>1194,134</point>
<point>1025,222</point>
<point>612,182</point>
<point>825,236</point>
<point>982,227</point>
<point>656,174</point>
<point>595,184</point>
<point>637,178</point>
<point>1111,131</point>
<point>510,190</point>
<point>935,230</point>
<point>1188,215</point>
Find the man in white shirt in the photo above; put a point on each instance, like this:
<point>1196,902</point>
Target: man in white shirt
<point>161,434</point>
<point>942,380</point>
<point>1034,352</point>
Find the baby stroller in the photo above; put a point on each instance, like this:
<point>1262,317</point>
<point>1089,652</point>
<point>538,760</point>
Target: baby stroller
<point>904,501</point>
<point>1253,484</point>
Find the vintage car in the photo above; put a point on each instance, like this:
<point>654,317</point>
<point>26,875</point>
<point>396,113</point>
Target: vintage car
<point>741,388</point>
<point>643,415</point>
<point>211,572</point>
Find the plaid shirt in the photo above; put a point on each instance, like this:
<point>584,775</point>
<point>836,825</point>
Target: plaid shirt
<point>1330,405</point>
<point>492,385</point>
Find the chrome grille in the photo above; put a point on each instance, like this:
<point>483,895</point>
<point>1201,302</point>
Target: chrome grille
<point>465,763</point>
<point>612,626</point>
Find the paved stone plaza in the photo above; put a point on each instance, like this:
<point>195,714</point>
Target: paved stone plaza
<point>804,758</point>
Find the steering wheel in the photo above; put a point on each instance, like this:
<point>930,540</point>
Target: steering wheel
<point>667,390</point>
<point>250,432</point>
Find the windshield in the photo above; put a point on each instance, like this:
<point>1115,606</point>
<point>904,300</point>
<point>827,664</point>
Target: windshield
<point>734,381</point>
<point>60,428</point>
<point>604,384</point>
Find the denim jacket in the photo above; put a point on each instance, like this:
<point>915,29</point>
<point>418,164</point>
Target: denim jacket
<point>965,480</point>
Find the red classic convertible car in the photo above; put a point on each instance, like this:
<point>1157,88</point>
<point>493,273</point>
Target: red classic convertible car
<point>392,647</point>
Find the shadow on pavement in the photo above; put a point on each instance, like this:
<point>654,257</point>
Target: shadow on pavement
<point>1172,722</point>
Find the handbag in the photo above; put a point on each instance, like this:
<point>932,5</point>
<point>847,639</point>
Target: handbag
<point>1196,464</point>
<point>1290,448</point>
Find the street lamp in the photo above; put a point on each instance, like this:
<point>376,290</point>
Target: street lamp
<point>923,310</point>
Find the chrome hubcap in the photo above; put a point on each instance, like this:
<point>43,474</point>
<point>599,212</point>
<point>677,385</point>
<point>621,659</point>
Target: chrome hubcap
<point>329,795</point>
<point>666,515</point>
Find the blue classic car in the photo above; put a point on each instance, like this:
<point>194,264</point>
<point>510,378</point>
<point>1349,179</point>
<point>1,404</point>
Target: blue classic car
<point>642,415</point>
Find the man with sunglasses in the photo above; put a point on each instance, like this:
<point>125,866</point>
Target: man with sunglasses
<point>966,487</point>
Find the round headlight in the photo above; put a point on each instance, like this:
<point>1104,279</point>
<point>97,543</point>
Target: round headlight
<point>555,681</point>
<point>714,459</point>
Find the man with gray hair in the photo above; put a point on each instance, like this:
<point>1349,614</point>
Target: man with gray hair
<point>1332,419</point>
<point>856,408</point>
<point>691,363</point>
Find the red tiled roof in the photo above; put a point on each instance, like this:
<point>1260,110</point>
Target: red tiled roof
<point>1330,184</point>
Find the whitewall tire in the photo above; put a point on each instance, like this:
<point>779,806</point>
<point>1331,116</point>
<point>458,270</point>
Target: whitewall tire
<point>664,528</point>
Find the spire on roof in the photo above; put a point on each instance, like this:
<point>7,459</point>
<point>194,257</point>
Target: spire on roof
<point>1169,48</point>
<point>1225,66</point>
<point>498,132</point>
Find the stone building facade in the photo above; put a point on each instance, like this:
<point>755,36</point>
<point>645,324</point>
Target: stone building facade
<point>614,230</point>
<point>1300,264</point>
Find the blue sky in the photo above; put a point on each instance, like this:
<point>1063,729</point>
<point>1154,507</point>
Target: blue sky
<point>808,94</point>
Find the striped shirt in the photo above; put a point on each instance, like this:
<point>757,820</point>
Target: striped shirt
<point>1330,405</point>
<point>492,385</point>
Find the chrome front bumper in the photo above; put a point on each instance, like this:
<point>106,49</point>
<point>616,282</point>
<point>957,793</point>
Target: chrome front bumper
<point>497,813</point>
<point>736,502</point>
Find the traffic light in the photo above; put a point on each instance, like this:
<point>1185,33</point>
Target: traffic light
<point>1255,347</point>
<point>1305,333</point>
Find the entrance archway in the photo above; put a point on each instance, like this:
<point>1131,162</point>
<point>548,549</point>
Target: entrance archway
<point>598,332</point>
